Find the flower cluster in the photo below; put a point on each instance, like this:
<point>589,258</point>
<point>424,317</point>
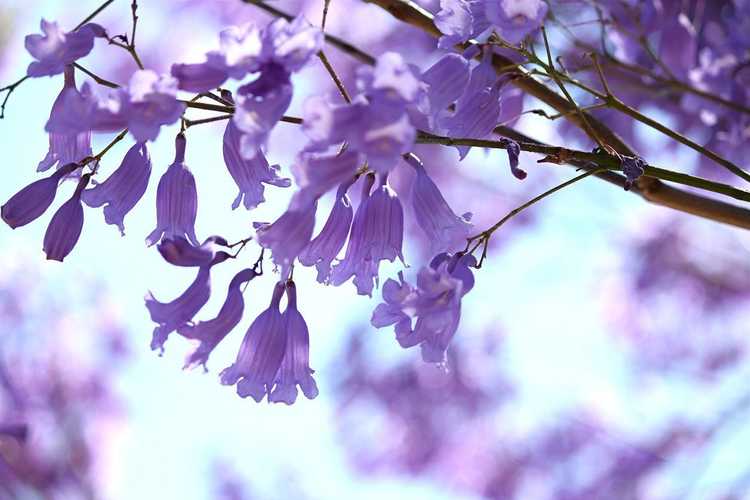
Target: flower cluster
<point>352,147</point>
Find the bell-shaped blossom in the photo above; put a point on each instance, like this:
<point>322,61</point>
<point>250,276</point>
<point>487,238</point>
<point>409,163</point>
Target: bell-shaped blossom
<point>169,316</point>
<point>318,173</point>
<point>514,152</point>
<point>238,56</point>
<point>55,49</point>
<point>261,352</point>
<point>291,44</point>
<point>378,123</point>
<point>321,251</point>
<point>377,234</point>
<point>246,49</point>
<point>478,109</point>
<point>66,146</point>
<point>210,333</point>
<point>290,233</point>
<point>148,102</point>
<point>446,82</point>
<point>260,106</point>
<point>33,200</point>
<point>124,188</point>
<point>443,228</point>
<point>513,20</point>
<point>65,227</point>
<point>295,367</point>
<point>176,200</point>
<point>435,303</point>
<point>250,174</point>
<point>179,252</point>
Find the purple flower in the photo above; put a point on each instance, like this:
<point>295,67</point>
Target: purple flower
<point>55,49</point>
<point>435,303</point>
<point>446,81</point>
<point>124,188</point>
<point>291,44</point>
<point>33,200</point>
<point>377,234</point>
<point>65,227</point>
<point>444,229</point>
<point>143,106</point>
<point>478,109</point>
<point>514,151</point>
<point>295,366</point>
<point>176,200</point>
<point>65,146</point>
<point>514,19</point>
<point>179,252</point>
<point>238,56</point>
<point>326,246</point>
<point>290,233</point>
<point>261,352</point>
<point>260,106</point>
<point>170,316</point>
<point>318,173</point>
<point>210,333</point>
<point>249,174</point>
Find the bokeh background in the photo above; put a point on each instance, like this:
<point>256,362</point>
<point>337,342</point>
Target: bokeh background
<point>600,355</point>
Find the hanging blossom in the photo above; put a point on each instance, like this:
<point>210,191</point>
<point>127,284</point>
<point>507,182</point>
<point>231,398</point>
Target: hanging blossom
<point>176,200</point>
<point>65,146</point>
<point>377,234</point>
<point>512,20</point>
<point>66,225</point>
<point>378,123</point>
<point>33,200</point>
<point>124,188</point>
<point>55,49</point>
<point>324,248</point>
<point>147,103</point>
<point>169,316</point>
<point>179,252</point>
<point>435,303</point>
<point>443,228</point>
<point>250,174</point>
<point>274,53</point>
<point>210,333</point>
<point>274,356</point>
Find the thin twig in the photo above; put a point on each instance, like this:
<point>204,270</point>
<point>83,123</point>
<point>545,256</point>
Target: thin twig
<point>9,90</point>
<point>93,14</point>
<point>98,79</point>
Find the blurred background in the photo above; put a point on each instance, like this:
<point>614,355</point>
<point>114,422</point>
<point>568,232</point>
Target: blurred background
<point>600,355</point>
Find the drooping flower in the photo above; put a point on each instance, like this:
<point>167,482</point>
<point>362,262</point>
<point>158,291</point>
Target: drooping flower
<point>65,146</point>
<point>446,81</point>
<point>261,352</point>
<point>295,367</point>
<point>260,106</point>
<point>179,252</point>
<point>33,200</point>
<point>377,234</point>
<point>321,251</point>
<point>514,152</point>
<point>290,233</point>
<point>318,173</point>
<point>170,316</point>
<point>65,227</point>
<point>176,200</point>
<point>210,333</point>
<point>478,109</point>
<point>443,228</point>
<point>124,188</point>
<point>55,49</point>
<point>250,174</point>
<point>291,44</point>
<point>435,303</point>
<point>148,102</point>
<point>512,20</point>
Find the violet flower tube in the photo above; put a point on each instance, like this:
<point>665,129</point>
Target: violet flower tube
<point>33,200</point>
<point>65,227</point>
